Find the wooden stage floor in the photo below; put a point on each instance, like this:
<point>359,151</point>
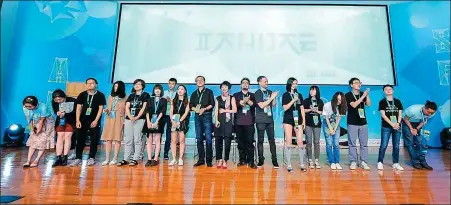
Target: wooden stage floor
<point>189,185</point>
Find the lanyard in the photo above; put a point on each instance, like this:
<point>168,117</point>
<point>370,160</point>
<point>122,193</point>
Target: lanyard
<point>356,97</point>
<point>135,100</point>
<point>114,103</point>
<point>92,98</point>
<point>31,114</point>
<point>393,102</point>
<point>180,106</point>
<point>425,120</point>
<point>200,97</point>
<point>265,94</point>
<point>156,103</point>
<point>292,97</point>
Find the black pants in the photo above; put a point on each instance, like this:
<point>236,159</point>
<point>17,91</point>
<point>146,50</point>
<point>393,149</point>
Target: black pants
<point>245,138</point>
<point>82,134</point>
<point>269,128</point>
<point>219,144</point>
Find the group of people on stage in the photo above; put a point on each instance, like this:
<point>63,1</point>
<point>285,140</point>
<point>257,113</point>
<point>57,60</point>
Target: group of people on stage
<point>141,118</point>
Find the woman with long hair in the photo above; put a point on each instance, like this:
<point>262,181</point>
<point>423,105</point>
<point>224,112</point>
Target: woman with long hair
<point>179,114</point>
<point>114,122</point>
<point>42,129</point>
<point>225,107</point>
<point>333,111</point>
<point>63,107</point>
<point>313,107</point>
<point>156,107</point>
<point>293,120</point>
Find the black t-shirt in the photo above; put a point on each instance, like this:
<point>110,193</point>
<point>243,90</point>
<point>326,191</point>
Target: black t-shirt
<point>391,108</point>
<point>353,117</point>
<point>309,116</point>
<point>260,115</point>
<point>288,114</point>
<point>69,117</point>
<point>204,98</point>
<point>90,101</point>
<point>137,103</point>
<point>156,107</point>
<point>242,118</point>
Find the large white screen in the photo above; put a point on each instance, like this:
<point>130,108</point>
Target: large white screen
<point>315,44</point>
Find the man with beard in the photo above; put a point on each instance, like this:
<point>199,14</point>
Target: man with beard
<point>244,124</point>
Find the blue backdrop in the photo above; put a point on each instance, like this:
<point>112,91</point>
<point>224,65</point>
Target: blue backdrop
<point>46,44</point>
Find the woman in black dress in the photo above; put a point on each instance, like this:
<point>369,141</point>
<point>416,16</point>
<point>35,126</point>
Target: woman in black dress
<point>225,107</point>
<point>179,115</point>
<point>156,107</point>
<point>293,120</point>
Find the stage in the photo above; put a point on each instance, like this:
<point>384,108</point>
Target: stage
<point>189,185</point>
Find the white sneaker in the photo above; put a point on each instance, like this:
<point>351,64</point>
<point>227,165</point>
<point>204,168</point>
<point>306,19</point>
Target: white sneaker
<point>72,156</point>
<point>317,165</point>
<point>75,163</point>
<point>338,166</point>
<point>380,166</point>
<point>91,162</point>
<point>365,166</point>
<point>353,166</point>
<point>310,164</point>
<point>180,162</point>
<point>104,163</point>
<point>333,167</point>
<point>172,162</point>
<point>397,167</point>
<point>113,162</point>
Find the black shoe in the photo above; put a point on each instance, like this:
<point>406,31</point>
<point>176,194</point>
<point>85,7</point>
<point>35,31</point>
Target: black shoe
<point>209,164</point>
<point>57,161</point>
<point>154,163</point>
<point>148,163</point>
<point>166,157</point>
<point>252,166</point>
<point>241,163</point>
<point>260,163</point>
<point>425,165</point>
<point>275,164</point>
<point>199,163</point>
<point>417,166</point>
<point>64,161</point>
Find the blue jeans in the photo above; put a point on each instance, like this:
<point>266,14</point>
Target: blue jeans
<point>332,144</point>
<point>416,145</point>
<point>204,125</point>
<point>385,137</point>
<point>167,143</point>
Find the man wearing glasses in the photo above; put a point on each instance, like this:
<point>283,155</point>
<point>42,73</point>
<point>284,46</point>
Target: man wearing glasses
<point>357,124</point>
<point>202,102</point>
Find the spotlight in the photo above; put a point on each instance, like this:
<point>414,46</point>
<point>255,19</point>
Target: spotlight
<point>13,136</point>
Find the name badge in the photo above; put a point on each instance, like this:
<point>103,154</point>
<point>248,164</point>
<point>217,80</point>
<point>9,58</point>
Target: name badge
<point>296,118</point>
<point>246,108</point>
<point>113,114</point>
<point>154,118</point>
<point>315,120</point>
<point>393,119</point>
<point>88,111</point>
<point>197,109</point>
<point>426,134</point>
<point>62,121</point>
<point>361,113</point>
<point>267,110</point>
<point>168,107</point>
<point>133,112</point>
